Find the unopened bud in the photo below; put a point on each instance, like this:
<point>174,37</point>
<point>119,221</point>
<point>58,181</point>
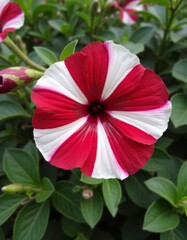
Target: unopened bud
<point>11,78</point>
<point>13,188</point>
<point>87,193</point>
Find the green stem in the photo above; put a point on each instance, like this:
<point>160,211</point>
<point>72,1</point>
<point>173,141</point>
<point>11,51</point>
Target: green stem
<point>11,45</point>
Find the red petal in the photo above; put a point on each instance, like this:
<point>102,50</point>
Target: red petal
<point>131,155</point>
<point>10,11</point>
<point>141,90</point>
<point>79,150</point>
<point>54,109</point>
<point>88,68</point>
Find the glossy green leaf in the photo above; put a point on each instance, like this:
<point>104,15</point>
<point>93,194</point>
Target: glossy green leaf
<point>8,205</point>
<point>112,194</point>
<point>31,149</point>
<point>179,233</point>
<point>46,55</point>
<point>179,70</point>
<point>90,180</point>
<point>47,190</point>
<point>164,188</point>
<point>142,35</point>
<point>10,109</point>
<point>137,191</point>
<point>21,168</point>
<point>68,50</point>
<point>179,110</point>
<point>31,221</point>
<point>67,202</point>
<point>159,2</point>
<point>160,217</point>
<point>159,159</point>
<point>92,209</point>
<point>182,180</point>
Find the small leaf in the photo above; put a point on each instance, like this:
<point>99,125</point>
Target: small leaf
<point>164,188</point>
<point>182,180</point>
<point>66,201</point>
<point>160,217</point>
<point>31,221</point>
<point>21,168</point>
<point>8,205</point>
<point>179,70</point>
<point>10,109</point>
<point>90,180</point>
<point>112,195</point>
<point>47,56</point>
<point>48,190</point>
<point>142,35</point>
<point>179,112</point>
<point>92,209</point>
<point>68,50</point>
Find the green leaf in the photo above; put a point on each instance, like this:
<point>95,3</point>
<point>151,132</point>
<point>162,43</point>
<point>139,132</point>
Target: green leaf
<point>137,191</point>
<point>31,221</point>
<point>134,48</point>
<point>179,112</point>
<point>10,109</point>
<point>92,209</point>
<point>2,235</point>
<point>182,180</point>
<point>160,217</point>
<point>112,195</point>
<point>48,190</point>
<point>47,56</point>
<point>179,70</point>
<point>67,202</point>
<point>159,2</point>
<point>8,205</point>
<point>159,159</point>
<point>21,168</point>
<point>179,233</point>
<point>164,188</point>
<point>31,149</point>
<point>142,35</point>
<point>68,50</point>
<point>90,180</point>
<point>70,227</point>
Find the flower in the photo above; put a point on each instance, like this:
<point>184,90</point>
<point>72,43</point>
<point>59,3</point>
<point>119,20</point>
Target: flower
<point>11,18</point>
<point>128,10</point>
<point>10,78</point>
<point>99,110</point>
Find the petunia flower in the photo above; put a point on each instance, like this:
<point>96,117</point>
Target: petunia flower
<point>11,18</point>
<point>128,10</point>
<point>101,111</point>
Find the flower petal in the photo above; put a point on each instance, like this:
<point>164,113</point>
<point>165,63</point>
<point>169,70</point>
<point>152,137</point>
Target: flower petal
<point>54,109</point>
<point>121,62</point>
<point>88,68</point>
<point>3,4</point>
<point>141,90</point>
<point>128,16</point>
<point>153,122</point>
<point>57,78</point>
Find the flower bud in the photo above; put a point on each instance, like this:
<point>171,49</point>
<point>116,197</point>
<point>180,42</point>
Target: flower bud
<point>87,193</point>
<point>13,188</point>
<point>10,78</point>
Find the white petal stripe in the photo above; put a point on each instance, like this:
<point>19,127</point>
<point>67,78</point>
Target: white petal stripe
<point>153,122</point>
<point>121,62</point>
<point>3,3</point>
<point>106,165</point>
<point>58,78</point>
<point>49,140</point>
<point>126,18</point>
<point>135,6</point>
<point>15,23</point>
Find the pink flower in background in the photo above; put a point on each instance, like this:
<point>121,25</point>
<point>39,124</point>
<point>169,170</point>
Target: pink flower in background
<point>11,18</point>
<point>128,10</point>
<point>100,110</point>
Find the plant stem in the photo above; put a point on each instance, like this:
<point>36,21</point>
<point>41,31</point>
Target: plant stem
<point>12,46</point>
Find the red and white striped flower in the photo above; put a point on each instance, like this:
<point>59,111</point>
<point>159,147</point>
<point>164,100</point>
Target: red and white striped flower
<point>100,110</point>
<point>11,18</point>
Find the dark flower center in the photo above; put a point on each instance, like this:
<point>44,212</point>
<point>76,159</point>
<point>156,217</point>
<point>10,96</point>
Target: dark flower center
<point>1,80</point>
<point>96,108</point>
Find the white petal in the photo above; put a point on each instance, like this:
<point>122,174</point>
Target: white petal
<point>58,78</point>
<point>16,22</point>
<point>153,122</point>
<point>106,165</point>
<point>49,140</point>
<point>135,5</point>
<point>3,3</point>
<point>125,17</point>
<point>121,62</point>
